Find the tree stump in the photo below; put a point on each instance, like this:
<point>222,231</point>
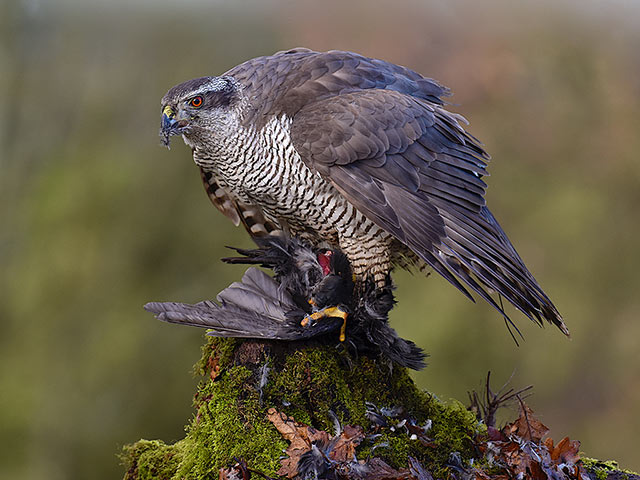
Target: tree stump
<point>286,409</point>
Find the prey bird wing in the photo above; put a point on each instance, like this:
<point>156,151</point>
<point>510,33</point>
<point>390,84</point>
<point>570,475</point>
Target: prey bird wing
<point>408,165</point>
<point>257,307</point>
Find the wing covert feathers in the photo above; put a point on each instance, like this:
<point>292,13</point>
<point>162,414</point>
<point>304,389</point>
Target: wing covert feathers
<point>288,80</point>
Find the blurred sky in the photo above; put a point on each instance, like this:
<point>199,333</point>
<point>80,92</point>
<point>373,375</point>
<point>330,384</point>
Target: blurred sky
<point>98,219</point>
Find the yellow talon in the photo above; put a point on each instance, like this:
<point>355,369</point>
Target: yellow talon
<point>329,312</point>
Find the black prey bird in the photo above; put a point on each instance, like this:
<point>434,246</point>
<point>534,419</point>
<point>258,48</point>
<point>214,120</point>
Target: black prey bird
<point>307,283</point>
<point>359,154</point>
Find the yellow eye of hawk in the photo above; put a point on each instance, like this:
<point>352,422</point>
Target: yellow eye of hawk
<point>196,102</point>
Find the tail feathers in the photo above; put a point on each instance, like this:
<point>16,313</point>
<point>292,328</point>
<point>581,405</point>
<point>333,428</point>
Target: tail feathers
<point>397,349</point>
<point>481,255</point>
<point>272,253</point>
<point>526,288</point>
<point>254,308</point>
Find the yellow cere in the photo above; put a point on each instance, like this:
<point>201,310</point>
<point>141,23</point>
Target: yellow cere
<point>168,111</point>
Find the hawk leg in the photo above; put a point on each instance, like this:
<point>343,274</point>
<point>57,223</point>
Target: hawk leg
<point>370,258</point>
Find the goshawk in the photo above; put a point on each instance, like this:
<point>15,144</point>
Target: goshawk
<point>353,153</point>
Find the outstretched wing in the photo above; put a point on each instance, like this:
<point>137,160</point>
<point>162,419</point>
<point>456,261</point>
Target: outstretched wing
<point>408,165</point>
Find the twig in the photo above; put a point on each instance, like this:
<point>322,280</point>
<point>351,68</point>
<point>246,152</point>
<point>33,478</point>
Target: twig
<point>487,408</point>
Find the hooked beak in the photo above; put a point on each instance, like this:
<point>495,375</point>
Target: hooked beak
<point>170,125</point>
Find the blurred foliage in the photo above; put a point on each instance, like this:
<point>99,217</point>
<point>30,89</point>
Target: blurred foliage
<point>98,219</point>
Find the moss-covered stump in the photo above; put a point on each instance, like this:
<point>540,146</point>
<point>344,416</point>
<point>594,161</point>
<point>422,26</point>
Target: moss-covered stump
<point>254,394</point>
<point>315,385</point>
<point>607,470</point>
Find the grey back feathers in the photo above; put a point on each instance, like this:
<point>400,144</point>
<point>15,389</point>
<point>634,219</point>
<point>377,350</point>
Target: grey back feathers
<point>287,81</point>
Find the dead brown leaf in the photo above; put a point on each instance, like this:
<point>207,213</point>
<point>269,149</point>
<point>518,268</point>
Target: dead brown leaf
<point>240,471</point>
<point>214,367</point>
<point>340,449</point>
<point>527,426</point>
<point>518,460</point>
<point>237,472</point>
<point>519,449</point>
<point>344,449</point>
<point>566,451</point>
<point>301,437</point>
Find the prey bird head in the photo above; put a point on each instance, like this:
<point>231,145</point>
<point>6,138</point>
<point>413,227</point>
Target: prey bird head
<point>198,107</point>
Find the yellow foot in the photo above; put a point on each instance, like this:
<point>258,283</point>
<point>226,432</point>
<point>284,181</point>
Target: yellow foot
<point>328,312</point>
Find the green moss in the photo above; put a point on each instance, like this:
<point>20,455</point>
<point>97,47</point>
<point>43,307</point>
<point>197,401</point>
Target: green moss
<point>230,423</point>
<point>454,429</point>
<point>312,382</point>
<point>309,383</point>
<point>215,348</point>
<point>151,459</point>
<point>603,468</point>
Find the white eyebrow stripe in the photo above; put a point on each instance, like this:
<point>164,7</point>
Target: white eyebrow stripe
<point>216,84</point>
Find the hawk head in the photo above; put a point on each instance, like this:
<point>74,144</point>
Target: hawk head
<point>198,108</point>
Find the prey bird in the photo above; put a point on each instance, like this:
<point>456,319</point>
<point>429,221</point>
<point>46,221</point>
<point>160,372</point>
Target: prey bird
<point>356,154</point>
<point>279,308</point>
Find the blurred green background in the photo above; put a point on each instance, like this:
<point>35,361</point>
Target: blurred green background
<point>98,219</point>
